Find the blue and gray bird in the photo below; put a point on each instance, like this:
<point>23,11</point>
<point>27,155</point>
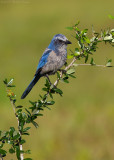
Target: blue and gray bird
<point>53,58</point>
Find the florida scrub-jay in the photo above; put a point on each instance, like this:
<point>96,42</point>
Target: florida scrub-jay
<point>53,58</point>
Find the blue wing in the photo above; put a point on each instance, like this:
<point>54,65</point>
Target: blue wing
<point>43,59</point>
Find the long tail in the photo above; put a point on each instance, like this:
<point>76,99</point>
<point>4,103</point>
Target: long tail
<point>30,86</point>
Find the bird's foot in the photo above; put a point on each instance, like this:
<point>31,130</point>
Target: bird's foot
<point>63,71</point>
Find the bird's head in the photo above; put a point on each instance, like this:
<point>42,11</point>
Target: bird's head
<point>59,42</point>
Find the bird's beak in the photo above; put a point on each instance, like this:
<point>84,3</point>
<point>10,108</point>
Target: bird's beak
<point>68,42</point>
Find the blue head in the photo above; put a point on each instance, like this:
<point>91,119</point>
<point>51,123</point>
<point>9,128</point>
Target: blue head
<point>59,42</point>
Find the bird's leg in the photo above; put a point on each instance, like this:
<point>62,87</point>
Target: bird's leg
<point>66,64</point>
<point>48,79</point>
<point>53,86</point>
<point>62,70</point>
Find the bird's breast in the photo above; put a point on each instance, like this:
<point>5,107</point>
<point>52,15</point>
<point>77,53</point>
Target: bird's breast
<point>54,62</point>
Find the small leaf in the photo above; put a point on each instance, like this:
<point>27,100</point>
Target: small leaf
<point>77,52</point>
<point>57,90</point>
<point>45,89</point>
<point>33,103</point>
<point>19,111</point>
<point>87,40</point>
<point>65,79</point>
<point>22,141</point>
<point>58,75</point>
<point>39,114</point>
<point>35,124</point>
<point>92,62</point>
<point>71,71</point>
<point>28,152</point>
<point>84,31</point>
<point>108,64</point>
<point>86,58</point>
<point>113,41</point>
<point>50,103</point>
<point>69,28</point>
<point>3,152</point>
<point>1,145</point>
<point>26,129</point>
<point>108,38</point>
<point>11,131</point>
<point>9,84</point>
<point>110,16</point>
<point>19,106</point>
<point>70,56</point>
<point>77,23</point>
<point>11,150</point>
<point>5,81</point>
<point>72,76</point>
<point>28,111</point>
<point>16,135</point>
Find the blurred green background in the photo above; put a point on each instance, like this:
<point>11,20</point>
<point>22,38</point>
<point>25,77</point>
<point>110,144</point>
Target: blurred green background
<point>80,125</point>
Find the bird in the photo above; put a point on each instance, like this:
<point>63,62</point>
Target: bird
<point>53,58</point>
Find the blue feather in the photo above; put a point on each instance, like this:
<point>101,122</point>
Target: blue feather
<point>43,59</point>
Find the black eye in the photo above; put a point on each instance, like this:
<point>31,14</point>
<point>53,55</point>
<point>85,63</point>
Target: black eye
<point>60,41</point>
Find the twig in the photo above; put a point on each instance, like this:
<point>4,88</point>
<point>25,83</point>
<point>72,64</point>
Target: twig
<point>20,145</point>
<point>97,65</point>
<point>1,157</point>
<point>61,73</point>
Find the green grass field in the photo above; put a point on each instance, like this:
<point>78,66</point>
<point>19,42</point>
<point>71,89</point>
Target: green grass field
<point>80,125</point>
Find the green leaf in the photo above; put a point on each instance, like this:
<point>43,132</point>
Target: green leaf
<point>107,38</point>
<point>35,124</point>
<point>18,152</point>
<point>19,106</point>
<point>58,75</point>
<point>92,62</point>
<point>28,111</point>
<point>26,129</point>
<point>47,83</point>
<point>69,28</point>
<point>108,64</point>
<point>45,89</point>
<point>28,152</point>
<point>39,114</point>
<point>3,152</point>
<point>1,145</point>
<point>57,90</point>
<point>11,150</point>
<point>50,103</point>
<point>77,23</point>
<point>77,52</point>
<point>22,141</point>
<point>11,131</point>
<point>70,56</point>
<point>9,84</point>
<point>16,135</point>
<point>71,71</point>
<point>33,103</point>
<point>87,40</point>
<point>72,76</point>
<point>84,31</point>
<point>19,111</point>
<point>86,58</point>
<point>5,81</point>
<point>25,133</point>
<point>110,16</point>
<point>65,79</point>
<point>50,95</point>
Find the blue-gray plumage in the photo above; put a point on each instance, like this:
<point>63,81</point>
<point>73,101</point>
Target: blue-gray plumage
<point>53,58</point>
